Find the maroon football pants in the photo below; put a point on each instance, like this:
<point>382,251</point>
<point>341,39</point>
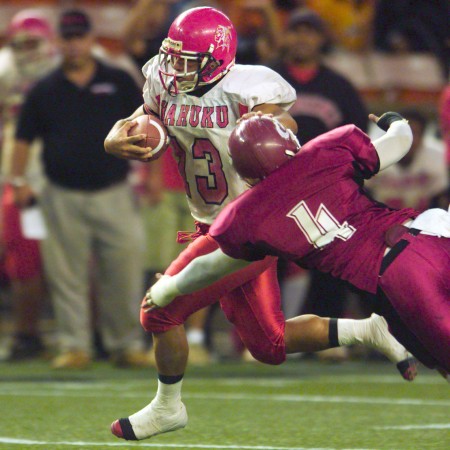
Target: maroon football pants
<point>416,285</point>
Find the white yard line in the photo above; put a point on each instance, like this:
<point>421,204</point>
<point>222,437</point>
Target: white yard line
<point>12,441</point>
<point>319,399</point>
<point>338,379</point>
<point>60,391</point>
<point>430,426</point>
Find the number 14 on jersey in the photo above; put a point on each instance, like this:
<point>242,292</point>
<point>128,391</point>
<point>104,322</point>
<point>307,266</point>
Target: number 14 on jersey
<point>321,229</point>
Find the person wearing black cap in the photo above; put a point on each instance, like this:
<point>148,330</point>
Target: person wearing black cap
<point>86,198</point>
<point>325,100</point>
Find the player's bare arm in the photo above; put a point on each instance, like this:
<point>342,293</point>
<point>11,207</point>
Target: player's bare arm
<point>198,274</point>
<point>119,144</point>
<point>395,144</point>
<point>273,111</point>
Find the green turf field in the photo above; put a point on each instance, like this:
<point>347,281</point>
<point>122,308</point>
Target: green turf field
<point>300,405</point>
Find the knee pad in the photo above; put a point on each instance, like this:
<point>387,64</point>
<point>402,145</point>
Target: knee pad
<point>273,355</point>
<point>158,320</point>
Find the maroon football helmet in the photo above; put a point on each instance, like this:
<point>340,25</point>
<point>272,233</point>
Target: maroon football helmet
<point>260,145</point>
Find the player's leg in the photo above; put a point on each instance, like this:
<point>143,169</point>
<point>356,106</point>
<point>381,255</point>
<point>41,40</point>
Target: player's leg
<point>254,308</point>
<point>24,269</point>
<point>309,333</point>
<point>166,412</point>
<point>28,296</point>
<point>327,297</point>
<point>416,285</point>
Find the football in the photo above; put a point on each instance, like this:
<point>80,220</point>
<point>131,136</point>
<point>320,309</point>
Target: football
<point>156,134</point>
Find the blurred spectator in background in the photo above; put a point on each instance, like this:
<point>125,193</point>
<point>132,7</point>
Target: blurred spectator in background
<point>444,120</point>
<point>147,23</point>
<point>259,30</point>
<point>442,200</point>
<point>414,26</point>
<point>325,100</point>
<point>416,178</point>
<point>29,54</point>
<point>350,22</point>
<point>285,7</point>
<point>87,200</point>
<point>145,28</point>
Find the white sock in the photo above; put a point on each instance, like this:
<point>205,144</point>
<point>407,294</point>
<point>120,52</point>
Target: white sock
<point>168,394</point>
<point>168,397</point>
<point>352,331</point>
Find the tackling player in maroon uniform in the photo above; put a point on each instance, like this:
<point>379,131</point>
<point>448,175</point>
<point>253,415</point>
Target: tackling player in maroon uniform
<point>312,209</point>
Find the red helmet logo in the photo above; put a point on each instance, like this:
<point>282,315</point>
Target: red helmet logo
<point>223,37</point>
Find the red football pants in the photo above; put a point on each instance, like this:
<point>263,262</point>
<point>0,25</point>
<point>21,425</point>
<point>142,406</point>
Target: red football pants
<point>22,256</point>
<point>250,299</point>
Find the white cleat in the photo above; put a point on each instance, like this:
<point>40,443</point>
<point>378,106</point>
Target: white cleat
<point>150,421</point>
<point>382,340</point>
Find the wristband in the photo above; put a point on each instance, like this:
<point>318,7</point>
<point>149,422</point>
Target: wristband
<point>387,119</point>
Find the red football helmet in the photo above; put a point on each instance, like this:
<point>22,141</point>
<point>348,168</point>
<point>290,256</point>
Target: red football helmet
<point>28,24</point>
<point>260,145</point>
<point>29,35</point>
<point>200,49</point>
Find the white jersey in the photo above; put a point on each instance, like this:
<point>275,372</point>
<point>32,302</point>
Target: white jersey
<point>199,128</point>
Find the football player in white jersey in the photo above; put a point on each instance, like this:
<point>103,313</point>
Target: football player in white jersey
<point>195,87</point>
<point>29,54</point>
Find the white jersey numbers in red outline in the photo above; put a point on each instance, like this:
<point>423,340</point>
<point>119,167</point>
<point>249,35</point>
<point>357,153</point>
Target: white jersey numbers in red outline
<point>211,186</point>
<point>321,229</point>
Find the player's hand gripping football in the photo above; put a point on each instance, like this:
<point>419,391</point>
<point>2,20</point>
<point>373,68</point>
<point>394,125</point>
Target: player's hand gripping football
<point>119,144</point>
<point>252,114</point>
<point>160,294</point>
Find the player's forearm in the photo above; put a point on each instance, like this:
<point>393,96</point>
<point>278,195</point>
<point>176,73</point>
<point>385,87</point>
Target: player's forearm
<point>198,274</point>
<point>287,121</point>
<point>395,144</point>
<point>206,270</point>
<point>279,114</point>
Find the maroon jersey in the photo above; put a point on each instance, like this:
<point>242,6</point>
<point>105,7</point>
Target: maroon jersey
<point>314,211</point>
